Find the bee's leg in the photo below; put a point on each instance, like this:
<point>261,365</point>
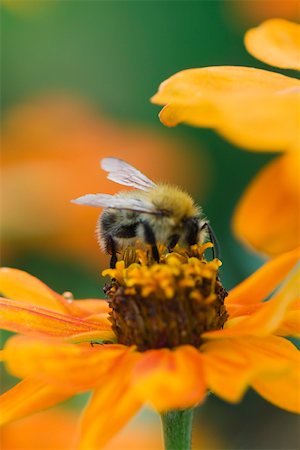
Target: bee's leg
<point>150,239</point>
<point>213,239</point>
<point>111,248</point>
<point>173,241</point>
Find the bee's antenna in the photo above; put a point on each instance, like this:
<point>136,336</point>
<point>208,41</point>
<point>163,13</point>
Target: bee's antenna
<point>213,238</point>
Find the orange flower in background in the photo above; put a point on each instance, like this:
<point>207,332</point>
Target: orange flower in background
<point>57,428</point>
<point>257,110</point>
<point>49,146</point>
<point>146,365</point>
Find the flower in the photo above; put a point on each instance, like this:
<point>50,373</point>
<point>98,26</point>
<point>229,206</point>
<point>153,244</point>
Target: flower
<point>164,363</point>
<point>259,111</point>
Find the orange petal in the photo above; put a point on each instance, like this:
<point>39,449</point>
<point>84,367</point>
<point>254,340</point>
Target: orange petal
<point>253,108</point>
<point>61,364</point>
<point>93,306</point>
<point>230,365</point>
<point>268,318</point>
<point>111,405</point>
<point>193,86</point>
<point>267,217</point>
<point>19,285</point>
<point>282,390</point>
<point>53,429</point>
<point>291,325</point>
<point>27,397</point>
<point>275,42</point>
<point>35,321</point>
<point>261,283</point>
<point>170,379</point>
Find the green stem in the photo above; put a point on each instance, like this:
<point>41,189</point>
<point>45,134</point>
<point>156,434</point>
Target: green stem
<point>177,428</point>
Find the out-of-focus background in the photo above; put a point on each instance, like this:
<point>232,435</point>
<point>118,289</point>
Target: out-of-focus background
<point>76,81</point>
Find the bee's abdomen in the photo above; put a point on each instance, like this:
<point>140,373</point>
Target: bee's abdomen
<point>119,224</point>
<point>107,221</point>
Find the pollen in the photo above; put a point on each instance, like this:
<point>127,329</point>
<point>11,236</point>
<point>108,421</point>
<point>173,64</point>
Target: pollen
<point>165,304</point>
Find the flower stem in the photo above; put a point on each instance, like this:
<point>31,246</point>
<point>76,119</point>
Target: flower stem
<point>177,428</point>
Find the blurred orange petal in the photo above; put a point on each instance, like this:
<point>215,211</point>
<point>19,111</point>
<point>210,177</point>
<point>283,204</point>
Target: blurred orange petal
<point>268,318</point>
<point>255,109</point>
<point>39,322</point>
<point>291,324</point>
<point>113,404</point>
<point>268,215</point>
<point>30,396</point>
<point>281,390</point>
<point>48,430</point>
<point>231,364</point>
<point>261,283</point>
<point>61,364</point>
<point>159,375</point>
<point>19,285</point>
<point>275,42</point>
<point>57,429</point>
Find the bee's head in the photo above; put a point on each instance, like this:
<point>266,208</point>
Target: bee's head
<point>173,202</point>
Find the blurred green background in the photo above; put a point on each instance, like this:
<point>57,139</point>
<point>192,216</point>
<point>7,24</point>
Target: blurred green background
<point>76,81</point>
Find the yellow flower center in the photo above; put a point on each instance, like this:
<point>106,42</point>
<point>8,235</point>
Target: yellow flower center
<point>165,304</point>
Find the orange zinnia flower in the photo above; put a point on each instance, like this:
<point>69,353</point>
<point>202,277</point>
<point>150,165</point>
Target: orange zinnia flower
<point>258,110</point>
<point>170,349</point>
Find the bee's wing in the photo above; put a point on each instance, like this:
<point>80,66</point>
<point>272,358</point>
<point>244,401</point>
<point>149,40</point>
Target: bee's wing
<point>111,201</point>
<point>121,172</point>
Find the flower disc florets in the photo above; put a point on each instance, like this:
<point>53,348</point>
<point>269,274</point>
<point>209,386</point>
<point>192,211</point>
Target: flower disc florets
<point>165,304</point>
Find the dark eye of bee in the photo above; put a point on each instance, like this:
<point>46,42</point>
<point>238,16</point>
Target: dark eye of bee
<point>192,228</point>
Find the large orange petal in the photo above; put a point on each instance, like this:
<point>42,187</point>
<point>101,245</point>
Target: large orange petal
<point>19,285</point>
<point>29,396</point>
<point>111,405</point>
<point>255,109</point>
<point>267,217</point>
<point>61,364</point>
<point>261,283</point>
<point>230,365</point>
<point>275,42</point>
<point>35,321</point>
<point>291,324</point>
<point>170,379</point>
<point>280,389</point>
<point>267,319</point>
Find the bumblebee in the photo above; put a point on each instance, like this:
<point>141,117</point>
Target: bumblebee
<point>151,213</point>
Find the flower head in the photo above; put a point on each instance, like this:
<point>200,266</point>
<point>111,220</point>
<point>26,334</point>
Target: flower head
<point>166,304</point>
<point>166,367</point>
<point>257,110</point>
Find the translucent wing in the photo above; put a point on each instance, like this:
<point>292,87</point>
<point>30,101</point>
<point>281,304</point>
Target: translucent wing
<point>114,202</point>
<point>121,172</point>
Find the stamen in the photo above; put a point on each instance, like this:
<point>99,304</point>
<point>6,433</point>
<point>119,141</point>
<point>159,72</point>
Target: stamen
<point>166,304</point>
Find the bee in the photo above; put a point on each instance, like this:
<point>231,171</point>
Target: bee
<point>151,213</point>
